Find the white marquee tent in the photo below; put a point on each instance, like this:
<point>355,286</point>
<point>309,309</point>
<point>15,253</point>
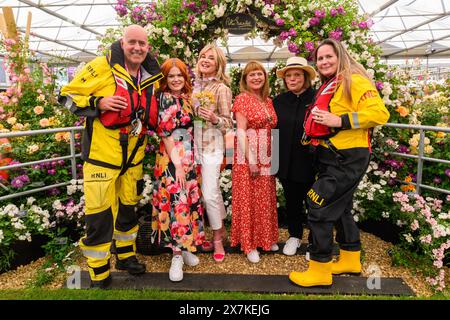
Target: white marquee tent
<point>71,28</point>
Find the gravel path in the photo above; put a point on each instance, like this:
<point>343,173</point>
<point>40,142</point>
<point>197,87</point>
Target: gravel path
<point>375,255</point>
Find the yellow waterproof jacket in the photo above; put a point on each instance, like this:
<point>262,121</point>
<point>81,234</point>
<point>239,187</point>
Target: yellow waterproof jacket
<point>365,110</point>
<point>100,145</point>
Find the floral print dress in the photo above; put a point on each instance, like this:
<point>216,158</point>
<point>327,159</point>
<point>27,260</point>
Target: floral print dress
<point>177,213</point>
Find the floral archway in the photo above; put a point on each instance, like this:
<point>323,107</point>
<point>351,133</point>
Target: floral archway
<point>181,28</point>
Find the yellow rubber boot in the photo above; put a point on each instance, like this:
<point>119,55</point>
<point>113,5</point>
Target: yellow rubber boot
<point>318,274</point>
<point>349,262</point>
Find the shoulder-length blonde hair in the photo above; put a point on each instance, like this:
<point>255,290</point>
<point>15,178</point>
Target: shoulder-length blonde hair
<point>165,69</point>
<point>221,63</point>
<point>346,66</point>
<point>254,65</point>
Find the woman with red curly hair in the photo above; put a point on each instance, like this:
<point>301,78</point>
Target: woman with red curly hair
<point>177,210</point>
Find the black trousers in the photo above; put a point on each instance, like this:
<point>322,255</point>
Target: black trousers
<point>330,201</point>
<point>295,194</point>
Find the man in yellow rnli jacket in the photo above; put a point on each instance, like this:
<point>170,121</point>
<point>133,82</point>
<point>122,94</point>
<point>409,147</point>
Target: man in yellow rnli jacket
<point>115,94</point>
<point>354,106</point>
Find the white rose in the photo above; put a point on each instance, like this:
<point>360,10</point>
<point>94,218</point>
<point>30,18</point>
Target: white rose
<point>219,11</point>
<point>259,3</point>
<point>71,189</point>
<point>266,10</point>
<point>387,101</point>
<point>408,237</point>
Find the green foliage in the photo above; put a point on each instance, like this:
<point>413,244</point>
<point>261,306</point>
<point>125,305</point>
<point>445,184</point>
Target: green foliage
<point>59,252</point>
<point>7,255</point>
<point>235,75</point>
<point>416,261</point>
<point>276,84</point>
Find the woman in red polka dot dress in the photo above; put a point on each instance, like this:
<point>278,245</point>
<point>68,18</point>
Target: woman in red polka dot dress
<point>254,203</point>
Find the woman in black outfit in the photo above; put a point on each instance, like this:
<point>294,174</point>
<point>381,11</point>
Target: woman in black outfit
<point>295,172</point>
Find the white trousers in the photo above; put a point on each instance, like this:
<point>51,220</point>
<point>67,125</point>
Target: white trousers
<point>212,195</point>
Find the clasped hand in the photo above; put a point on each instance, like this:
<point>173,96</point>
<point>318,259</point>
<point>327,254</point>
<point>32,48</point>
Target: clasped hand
<point>113,103</point>
<point>327,118</point>
<point>207,115</point>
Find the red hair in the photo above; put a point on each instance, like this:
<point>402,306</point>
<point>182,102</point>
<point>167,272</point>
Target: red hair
<point>165,69</point>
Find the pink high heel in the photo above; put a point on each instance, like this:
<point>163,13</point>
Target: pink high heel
<point>218,257</point>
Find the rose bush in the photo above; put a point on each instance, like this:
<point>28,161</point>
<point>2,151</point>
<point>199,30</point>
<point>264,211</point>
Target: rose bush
<point>29,103</point>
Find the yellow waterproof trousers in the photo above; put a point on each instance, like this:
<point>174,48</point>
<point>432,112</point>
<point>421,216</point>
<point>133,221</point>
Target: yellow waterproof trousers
<point>110,202</point>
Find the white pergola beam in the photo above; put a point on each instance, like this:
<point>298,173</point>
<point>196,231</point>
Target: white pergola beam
<point>419,45</point>
<point>384,6</point>
<point>58,42</point>
<point>440,16</point>
<point>59,16</point>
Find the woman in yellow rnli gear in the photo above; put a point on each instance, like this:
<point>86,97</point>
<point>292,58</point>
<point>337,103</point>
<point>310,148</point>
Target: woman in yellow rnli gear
<point>354,107</point>
<point>115,95</point>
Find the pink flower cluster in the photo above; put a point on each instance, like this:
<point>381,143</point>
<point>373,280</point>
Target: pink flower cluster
<point>309,45</point>
<point>425,209</point>
<point>336,34</point>
<point>121,8</point>
<point>364,25</point>
<point>286,34</point>
<point>404,201</point>
<point>439,281</point>
<point>198,8</point>
<point>321,14</point>
<point>140,14</point>
<point>20,181</point>
<point>71,211</point>
<point>439,254</point>
<point>292,47</point>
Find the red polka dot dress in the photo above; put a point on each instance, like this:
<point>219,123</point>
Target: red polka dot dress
<point>254,203</point>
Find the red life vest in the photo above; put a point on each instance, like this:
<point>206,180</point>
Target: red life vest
<point>314,130</point>
<point>143,106</point>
